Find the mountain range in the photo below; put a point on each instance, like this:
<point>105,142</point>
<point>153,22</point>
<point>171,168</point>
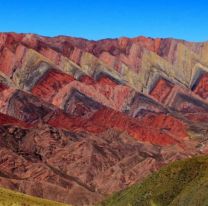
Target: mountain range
<point>81,120</point>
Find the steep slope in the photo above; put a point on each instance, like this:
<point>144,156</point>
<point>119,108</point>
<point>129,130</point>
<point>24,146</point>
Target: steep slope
<point>179,184</point>
<point>76,168</point>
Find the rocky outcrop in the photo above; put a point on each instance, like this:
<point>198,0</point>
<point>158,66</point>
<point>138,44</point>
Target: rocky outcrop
<point>76,168</point>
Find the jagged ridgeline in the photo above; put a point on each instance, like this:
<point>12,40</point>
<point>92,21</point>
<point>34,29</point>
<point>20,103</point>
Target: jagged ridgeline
<point>80,119</point>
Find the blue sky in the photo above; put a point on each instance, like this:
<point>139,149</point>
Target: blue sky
<point>97,19</point>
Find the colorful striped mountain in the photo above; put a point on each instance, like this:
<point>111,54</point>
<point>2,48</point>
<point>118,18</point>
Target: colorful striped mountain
<point>82,119</point>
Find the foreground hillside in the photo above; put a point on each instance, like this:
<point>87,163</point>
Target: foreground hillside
<point>182,183</point>
<point>10,198</point>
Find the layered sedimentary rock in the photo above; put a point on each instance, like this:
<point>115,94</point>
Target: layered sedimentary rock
<point>82,119</point>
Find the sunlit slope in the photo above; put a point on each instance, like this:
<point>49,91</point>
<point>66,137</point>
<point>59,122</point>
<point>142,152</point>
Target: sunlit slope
<point>10,198</point>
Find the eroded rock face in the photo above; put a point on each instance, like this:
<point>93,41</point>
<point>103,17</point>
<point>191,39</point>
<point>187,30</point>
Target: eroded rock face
<point>76,168</point>
<point>82,119</point>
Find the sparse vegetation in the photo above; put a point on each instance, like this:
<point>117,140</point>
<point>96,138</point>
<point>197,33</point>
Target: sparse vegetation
<point>11,198</point>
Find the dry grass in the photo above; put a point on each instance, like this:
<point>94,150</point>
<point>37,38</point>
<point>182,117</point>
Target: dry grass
<point>11,198</point>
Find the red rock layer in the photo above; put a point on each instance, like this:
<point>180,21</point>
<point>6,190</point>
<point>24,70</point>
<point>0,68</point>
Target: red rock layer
<point>161,130</point>
<point>8,120</point>
<point>50,83</point>
<point>201,88</point>
<point>161,90</point>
